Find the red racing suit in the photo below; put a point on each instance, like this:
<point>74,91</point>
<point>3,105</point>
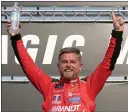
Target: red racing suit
<point>77,95</point>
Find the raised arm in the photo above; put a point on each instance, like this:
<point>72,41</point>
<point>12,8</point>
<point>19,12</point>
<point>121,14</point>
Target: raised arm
<point>36,76</point>
<point>98,78</point>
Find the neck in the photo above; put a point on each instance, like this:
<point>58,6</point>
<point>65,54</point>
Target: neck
<point>62,79</point>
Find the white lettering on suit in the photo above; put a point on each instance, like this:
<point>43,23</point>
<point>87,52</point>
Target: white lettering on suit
<point>65,108</point>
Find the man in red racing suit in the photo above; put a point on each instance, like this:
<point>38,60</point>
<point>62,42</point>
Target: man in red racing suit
<point>70,94</point>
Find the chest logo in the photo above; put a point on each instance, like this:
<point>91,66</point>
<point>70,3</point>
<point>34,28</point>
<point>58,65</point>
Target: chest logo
<point>74,99</point>
<point>56,99</point>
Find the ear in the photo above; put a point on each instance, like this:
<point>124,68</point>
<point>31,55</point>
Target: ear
<point>58,64</point>
<point>81,66</point>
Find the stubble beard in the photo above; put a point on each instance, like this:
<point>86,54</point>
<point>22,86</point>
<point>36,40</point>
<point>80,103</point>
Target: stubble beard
<point>68,75</point>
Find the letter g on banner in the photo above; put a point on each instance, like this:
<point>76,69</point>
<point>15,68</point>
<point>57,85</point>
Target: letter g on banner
<point>32,51</point>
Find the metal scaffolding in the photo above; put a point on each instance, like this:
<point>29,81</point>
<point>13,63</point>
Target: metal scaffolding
<point>23,79</point>
<point>66,14</point>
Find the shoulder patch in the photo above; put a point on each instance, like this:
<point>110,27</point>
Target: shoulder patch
<point>54,80</point>
<point>84,79</point>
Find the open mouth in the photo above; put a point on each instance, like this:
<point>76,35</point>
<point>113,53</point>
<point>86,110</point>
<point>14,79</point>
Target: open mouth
<point>68,70</point>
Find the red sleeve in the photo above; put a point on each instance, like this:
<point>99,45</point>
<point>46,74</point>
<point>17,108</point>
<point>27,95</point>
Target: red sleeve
<point>36,76</point>
<point>98,78</point>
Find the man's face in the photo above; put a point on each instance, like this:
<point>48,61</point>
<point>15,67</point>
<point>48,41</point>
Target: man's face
<point>69,66</point>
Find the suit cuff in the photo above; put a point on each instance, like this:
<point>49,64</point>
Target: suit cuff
<point>117,34</point>
<point>16,37</point>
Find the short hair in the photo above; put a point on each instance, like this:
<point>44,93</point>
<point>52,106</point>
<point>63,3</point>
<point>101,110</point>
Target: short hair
<point>70,50</point>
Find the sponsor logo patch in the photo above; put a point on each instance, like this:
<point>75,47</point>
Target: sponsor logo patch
<point>74,99</point>
<point>56,99</point>
<point>73,94</point>
<point>72,108</point>
<point>59,85</point>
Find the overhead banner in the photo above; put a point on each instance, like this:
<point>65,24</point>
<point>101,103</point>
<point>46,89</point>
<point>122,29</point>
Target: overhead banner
<point>43,42</point>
